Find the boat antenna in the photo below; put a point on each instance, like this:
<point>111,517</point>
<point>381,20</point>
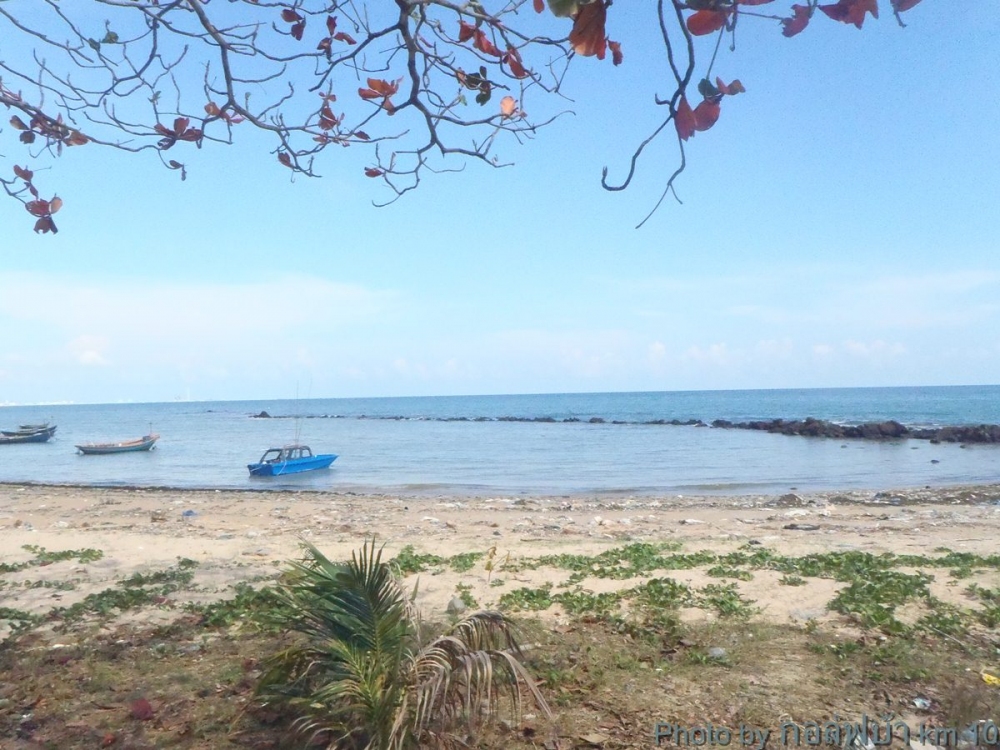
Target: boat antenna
<point>298,413</point>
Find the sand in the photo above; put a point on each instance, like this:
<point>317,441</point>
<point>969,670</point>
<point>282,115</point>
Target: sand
<point>250,535</point>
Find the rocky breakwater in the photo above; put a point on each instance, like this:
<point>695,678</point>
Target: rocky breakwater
<point>889,430</point>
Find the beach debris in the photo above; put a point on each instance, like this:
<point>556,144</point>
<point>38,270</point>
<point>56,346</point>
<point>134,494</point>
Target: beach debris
<point>921,703</point>
<point>718,653</point>
<point>990,679</point>
<point>691,521</point>
<point>801,527</point>
<point>158,516</point>
<point>456,606</point>
<point>594,739</point>
<point>141,709</point>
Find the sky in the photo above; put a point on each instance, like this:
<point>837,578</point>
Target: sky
<point>838,228</point>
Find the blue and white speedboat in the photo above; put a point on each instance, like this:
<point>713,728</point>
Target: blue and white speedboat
<point>291,459</point>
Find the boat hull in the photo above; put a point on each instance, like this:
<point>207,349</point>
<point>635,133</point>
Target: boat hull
<point>292,466</point>
<point>130,446</point>
<point>27,436</point>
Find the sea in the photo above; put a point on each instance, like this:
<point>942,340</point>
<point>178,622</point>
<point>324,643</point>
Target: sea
<point>543,444</point>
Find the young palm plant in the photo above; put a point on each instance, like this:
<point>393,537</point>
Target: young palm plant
<point>364,675</point>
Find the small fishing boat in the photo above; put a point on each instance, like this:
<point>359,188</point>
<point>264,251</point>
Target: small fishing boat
<point>292,459</point>
<point>27,434</point>
<point>144,443</point>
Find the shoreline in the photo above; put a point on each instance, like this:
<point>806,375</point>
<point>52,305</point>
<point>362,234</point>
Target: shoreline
<point>962,492</point>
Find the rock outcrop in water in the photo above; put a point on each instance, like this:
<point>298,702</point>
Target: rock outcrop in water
<point>890,430</point>
<point>808,427</point>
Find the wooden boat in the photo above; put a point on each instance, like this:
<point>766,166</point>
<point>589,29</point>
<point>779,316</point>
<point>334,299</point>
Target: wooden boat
<point>144,443</point>
<point>27,434</point>
<point>291,459</point>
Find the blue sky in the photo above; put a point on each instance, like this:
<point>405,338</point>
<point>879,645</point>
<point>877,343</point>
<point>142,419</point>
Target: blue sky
<point>838,229</point>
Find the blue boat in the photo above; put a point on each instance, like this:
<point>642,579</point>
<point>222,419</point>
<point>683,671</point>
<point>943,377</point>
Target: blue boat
<point>28,434</point>
<point>291,459</point>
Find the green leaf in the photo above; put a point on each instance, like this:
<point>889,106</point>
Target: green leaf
<point>110,38</point>
<point>564,8</point>
<point>94,45</point>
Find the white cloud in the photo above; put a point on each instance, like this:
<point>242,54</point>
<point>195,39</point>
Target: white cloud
<point>873,349</point>
<point>718,354</point>
<point>90,350</point>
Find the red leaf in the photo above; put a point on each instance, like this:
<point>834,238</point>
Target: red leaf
<point>362,136</point>
<point>343,36</point>
<point>290,16</point>
<point>26,137</point>
<point>285,159</point>
<point>730,89</point>
<point>616,52</point>
<point>331,25</point>
<point>298,29</point>
<point>706,21</point>
<point>24,173</point>
<point>37,208</point>
<point>180,125</point>
<point>368,94</point>
<point>588,36</point>
<point>705,115</point>
<point>373,172</point>
<point>191,134</point>
<point>516,68</point>
<point>684,120</point>
<point>18,123</point>
<point>795,24</point>
<point>46,225</point>
<point>384,88</point>
<point>851,11</point>
<point>903,5</point>
<point>55,204</point>
<point>484,45</point>
<point>466,31</point>
<point>141,710</point>
<point>539,6</point>
<point>212,109</point>
<point>162,130</point>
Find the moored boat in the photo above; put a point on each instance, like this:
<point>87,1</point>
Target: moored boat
<point>291,459</point>
<point>145,443</point>
<point>27,434</point>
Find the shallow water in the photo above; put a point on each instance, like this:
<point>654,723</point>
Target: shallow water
<point>461,445</point>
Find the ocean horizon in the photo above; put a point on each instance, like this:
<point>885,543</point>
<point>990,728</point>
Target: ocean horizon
<point>553,444</point>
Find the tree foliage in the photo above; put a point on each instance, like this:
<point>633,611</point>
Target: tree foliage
<point>423,84</point>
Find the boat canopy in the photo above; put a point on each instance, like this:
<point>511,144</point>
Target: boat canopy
<point>288,453</point>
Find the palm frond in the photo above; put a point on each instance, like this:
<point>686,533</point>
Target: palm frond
<point>360,673</point>
<point>469,673</point>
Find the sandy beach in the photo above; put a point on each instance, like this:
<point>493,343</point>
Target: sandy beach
<point>249,536</point>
